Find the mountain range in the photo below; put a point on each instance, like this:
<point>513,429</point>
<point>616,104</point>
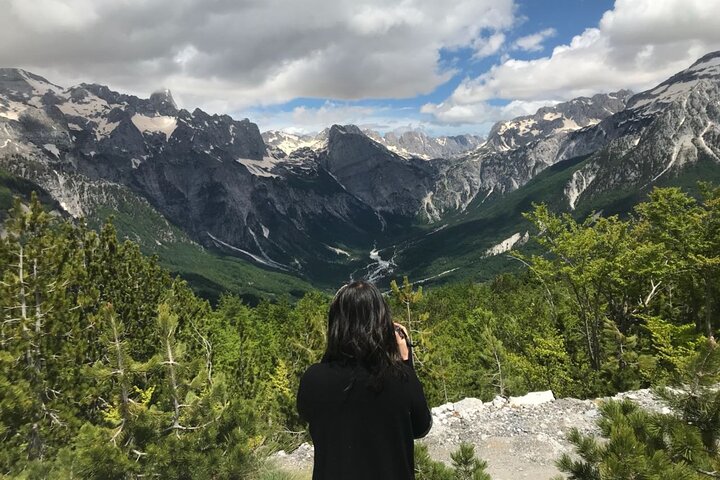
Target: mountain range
<point>230,208</point>
<point>407,143</point>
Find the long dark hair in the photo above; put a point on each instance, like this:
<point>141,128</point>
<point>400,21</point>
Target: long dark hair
<point>360,330</point>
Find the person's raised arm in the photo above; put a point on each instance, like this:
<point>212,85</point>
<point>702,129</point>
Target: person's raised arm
<point>404,344</point>
<point>420,415</point>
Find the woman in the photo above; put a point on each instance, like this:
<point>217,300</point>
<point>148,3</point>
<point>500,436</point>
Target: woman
<point>363,401</point>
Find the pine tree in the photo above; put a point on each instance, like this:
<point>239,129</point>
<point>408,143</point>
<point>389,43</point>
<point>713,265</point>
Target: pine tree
<point>466,465</point>
<point>493,353</point>
<point>417,327</point>
<point>640,444</point>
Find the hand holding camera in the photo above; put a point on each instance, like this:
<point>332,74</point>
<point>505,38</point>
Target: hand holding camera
<point>403,341</point>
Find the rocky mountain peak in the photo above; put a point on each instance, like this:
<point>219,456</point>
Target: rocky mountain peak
<point>21,85</point>
<point>336,130</point>
<point>11,75</point>
<point>163,102</point>
<point>100,91</point>
<point>706,69</point>
<point>706,66</point>
<point>564,117</point>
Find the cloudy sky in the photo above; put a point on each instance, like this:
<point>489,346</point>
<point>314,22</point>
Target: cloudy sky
<point>451,66</point>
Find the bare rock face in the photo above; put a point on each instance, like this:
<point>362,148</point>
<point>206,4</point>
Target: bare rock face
<point>664,130</point>
<point>517,150</point>
<point>519,438</point>
<point>380,178</point>
<point>417,144</point>
<point>210,175</point>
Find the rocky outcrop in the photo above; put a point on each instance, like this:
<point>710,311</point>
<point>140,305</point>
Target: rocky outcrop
<point>517,150</point>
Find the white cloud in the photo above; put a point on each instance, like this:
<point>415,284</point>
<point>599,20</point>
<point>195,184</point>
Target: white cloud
<point>304,119</point>
<point>59,15</point>
<point>533,43</point>
<point>481,112</point>
<point>484,47</point>
<point>636,45</point>
<point>227,55</point>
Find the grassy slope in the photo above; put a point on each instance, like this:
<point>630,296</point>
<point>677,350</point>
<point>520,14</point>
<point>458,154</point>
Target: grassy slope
<point>209,272</point>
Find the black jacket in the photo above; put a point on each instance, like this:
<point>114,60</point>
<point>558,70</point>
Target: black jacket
<point>360,434</point>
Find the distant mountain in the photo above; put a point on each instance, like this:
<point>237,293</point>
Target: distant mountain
<point>517,150</point>
<point>407,144</point>
<point>415,143</point>
<point>289,142</point>
<point>668,135</point>
<point>548,121</point>
<point>662,132</point>
<point>347,202</point>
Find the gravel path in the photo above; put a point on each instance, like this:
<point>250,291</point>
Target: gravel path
<point>519,438</point>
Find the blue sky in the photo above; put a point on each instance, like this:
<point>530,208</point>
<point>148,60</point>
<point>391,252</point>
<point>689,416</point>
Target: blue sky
<point>449,67</point>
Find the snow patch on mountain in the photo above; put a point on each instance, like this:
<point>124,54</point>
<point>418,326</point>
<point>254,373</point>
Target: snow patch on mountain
<point>10,109</point>
<point>260,168</point>
<point>40,88</point>
<point>88,105</point>
<point>104,128</point>
<point>337,251</point>
<point>52,148</point>
<point>159,124</point>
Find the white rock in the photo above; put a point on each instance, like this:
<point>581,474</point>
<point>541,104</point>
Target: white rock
<point>441,410</point>
<point>499,401</point>
<point>532,398</point>
<point>468,407</point>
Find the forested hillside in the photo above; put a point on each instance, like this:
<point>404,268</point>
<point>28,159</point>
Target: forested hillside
<point>112,369</point>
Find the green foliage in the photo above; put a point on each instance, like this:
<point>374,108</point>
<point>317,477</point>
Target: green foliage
<point>110,368</point>
<point>416,324</point>
<point>640,444</point>
<point>465,465</point>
